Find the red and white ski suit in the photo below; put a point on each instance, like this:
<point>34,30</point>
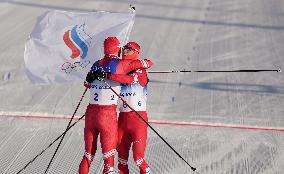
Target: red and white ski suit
<point>131,129</point>
<point>101,116</point>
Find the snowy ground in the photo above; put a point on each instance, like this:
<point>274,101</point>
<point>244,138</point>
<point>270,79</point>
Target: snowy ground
<point>176,35</point>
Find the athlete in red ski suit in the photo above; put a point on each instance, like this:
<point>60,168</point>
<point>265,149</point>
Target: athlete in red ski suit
<point>131,129</point>
<point>101,116</point>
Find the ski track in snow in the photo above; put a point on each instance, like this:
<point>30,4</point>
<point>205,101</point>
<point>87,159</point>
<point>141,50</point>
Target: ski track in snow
<point>176,35</point>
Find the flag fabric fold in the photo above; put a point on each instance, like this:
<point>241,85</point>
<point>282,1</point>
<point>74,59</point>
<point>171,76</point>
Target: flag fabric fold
<point>63,45</point>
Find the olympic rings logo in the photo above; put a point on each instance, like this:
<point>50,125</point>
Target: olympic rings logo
<point>69,67</point>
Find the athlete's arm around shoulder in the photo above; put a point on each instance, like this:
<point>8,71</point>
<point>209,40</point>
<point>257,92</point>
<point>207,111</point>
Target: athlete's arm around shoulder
<point>139,64</point>
<point>138,76</point>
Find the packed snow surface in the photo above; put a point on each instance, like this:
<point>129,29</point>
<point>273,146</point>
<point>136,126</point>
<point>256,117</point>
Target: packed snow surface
<point>232,123</point>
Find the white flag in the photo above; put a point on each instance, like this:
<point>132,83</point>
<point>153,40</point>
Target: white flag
<point>63,45</point>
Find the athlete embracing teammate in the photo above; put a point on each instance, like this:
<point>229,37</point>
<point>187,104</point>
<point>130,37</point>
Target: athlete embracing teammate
<point>101,116</point>
<point>131,128</point>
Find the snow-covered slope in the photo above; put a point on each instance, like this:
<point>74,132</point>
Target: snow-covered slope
<point>176,35</point>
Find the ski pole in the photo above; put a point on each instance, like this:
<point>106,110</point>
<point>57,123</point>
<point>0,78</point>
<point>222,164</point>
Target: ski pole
<point>31,161</point>
<point>192,168</point>
<point>66,130</point>
<point>187,71</point>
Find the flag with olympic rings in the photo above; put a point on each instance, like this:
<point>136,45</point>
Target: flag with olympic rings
<point>63,45</point>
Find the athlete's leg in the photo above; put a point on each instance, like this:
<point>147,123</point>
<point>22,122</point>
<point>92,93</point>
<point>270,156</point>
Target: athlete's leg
<point>139,140</point>
<point>124,144</point>
<point>108,137</point>
<point>90,137</point>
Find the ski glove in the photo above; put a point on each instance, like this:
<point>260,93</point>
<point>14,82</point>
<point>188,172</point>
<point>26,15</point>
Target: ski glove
<point>101,75</point>
<point>91,76</point>
<point>96,75</point>
<point>146,63</point>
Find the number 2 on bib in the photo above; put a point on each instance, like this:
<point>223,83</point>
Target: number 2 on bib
<point>96,97</point>
<point>112,97</point>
